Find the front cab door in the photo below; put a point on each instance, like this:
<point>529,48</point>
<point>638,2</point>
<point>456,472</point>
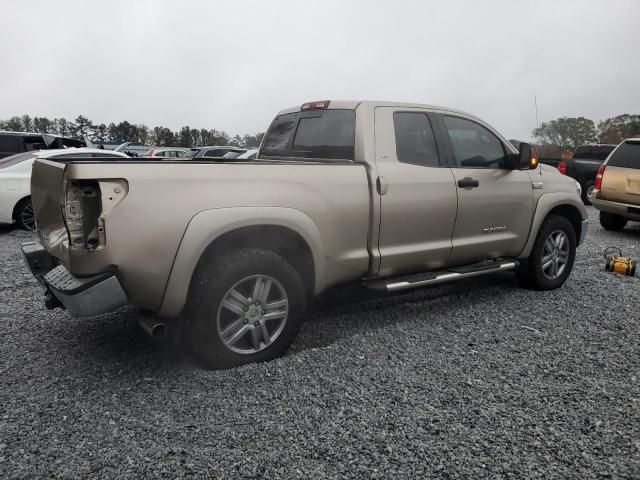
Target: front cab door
<point>495,202</point>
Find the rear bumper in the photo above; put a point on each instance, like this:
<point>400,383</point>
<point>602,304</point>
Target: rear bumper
<point>626,210</point>
<point>82,297</point>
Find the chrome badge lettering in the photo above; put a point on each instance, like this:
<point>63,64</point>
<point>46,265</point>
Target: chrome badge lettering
<point>494,229</point>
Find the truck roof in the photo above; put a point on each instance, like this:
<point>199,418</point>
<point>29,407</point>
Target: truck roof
<point>353,104</point>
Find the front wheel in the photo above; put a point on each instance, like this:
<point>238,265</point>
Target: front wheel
<point>245,306</point>
<point>552,256</point>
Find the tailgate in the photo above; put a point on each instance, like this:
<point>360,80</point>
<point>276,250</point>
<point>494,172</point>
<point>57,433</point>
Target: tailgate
<point>46,195</point>
<point>621,180</point>
<point>621,185</point>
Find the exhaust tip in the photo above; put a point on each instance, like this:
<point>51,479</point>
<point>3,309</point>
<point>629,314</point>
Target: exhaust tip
<point>153,326</point>
<point>159,331</point>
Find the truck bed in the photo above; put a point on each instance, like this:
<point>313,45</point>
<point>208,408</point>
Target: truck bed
<point>148,205</point>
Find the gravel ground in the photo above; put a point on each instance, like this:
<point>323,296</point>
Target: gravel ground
<point>478,379</point>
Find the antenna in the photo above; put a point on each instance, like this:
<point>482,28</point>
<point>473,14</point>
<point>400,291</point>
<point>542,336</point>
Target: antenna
<point>535,104</point>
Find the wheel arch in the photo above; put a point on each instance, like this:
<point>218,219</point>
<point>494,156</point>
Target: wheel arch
<point>285,231</point>
<point>556,204</point>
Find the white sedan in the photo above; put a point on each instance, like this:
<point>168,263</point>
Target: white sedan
<point>15,180</point>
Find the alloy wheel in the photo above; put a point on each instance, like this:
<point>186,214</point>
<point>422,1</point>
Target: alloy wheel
<point>27,217</point>
<point>252,314</point>
<point>555,254</point>
<point>589,194</point>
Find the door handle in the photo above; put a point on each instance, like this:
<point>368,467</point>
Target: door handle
<point>468,182</point>
<point>382,186</point>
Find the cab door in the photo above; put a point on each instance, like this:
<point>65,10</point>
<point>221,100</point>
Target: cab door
<point>416,191</point>
<point>495,202</point>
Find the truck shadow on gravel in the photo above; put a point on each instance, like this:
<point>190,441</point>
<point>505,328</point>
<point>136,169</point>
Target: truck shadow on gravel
<point>116,339</point>
<point>352,310</point>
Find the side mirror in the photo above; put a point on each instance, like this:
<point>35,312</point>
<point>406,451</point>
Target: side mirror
<point>527,157</point>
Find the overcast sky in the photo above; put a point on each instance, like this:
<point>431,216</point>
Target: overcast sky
<point>231,65</point>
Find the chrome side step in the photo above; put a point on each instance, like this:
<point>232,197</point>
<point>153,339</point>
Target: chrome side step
<point>444,276</point>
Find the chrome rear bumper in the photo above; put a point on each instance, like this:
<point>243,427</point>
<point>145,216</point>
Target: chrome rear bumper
<point>81,296</point>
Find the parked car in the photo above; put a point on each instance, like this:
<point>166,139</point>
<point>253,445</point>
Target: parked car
<point>217,151</point>
<point>20,142</point>
<point>617,186</point>
<point>394,195</point>
<point>584,165</point>
<point>15,180</point>
<point>169,153</point>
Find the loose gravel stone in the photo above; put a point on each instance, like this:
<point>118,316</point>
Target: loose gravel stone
<point>479,379</point>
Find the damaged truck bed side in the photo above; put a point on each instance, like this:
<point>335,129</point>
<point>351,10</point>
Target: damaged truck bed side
<point>395,195</point>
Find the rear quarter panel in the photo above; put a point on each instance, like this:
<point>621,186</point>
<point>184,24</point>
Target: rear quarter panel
<point>145,230</point>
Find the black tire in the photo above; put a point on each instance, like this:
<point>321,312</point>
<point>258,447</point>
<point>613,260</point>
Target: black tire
<point>23,214</point>
<point>213,280</point>
<point>531,273</point>
<point>586,186</point>
<point>611,221</point>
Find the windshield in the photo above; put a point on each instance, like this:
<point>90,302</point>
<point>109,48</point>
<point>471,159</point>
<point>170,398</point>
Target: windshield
<point>232,154</point>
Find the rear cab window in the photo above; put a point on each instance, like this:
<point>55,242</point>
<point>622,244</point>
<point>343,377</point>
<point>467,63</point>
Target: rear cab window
<point>415,142</point>
<point>627,155</point>
<point>316,134</point>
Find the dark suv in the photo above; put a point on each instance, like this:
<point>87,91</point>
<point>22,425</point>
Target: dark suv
<point>19,142</point>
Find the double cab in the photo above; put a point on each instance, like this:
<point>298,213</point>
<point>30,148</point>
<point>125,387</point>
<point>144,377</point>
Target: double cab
<point>394,195</point>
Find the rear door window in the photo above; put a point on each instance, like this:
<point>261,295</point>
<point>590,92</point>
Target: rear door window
<point>415,142</point>
<point>319,134</point>
<point>627,155</point>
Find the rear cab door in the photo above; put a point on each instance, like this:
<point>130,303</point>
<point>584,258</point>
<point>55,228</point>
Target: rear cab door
<point>416,192</point>
<point>495,202</point>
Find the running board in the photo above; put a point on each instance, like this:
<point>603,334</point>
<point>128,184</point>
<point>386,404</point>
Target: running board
<point>443,276</point>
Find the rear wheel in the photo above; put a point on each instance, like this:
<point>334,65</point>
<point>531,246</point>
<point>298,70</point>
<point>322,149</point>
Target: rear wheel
<point>552,256</point>
<point>244,307</point>
<point>611,221</point>
<point>23,214</point>
<point>587,192</point>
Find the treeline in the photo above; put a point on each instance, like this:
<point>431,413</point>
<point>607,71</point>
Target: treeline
<point>567,133</point>
<point>128,132</point>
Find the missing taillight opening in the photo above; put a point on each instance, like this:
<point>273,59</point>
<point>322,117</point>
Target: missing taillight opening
<point>82,210</point>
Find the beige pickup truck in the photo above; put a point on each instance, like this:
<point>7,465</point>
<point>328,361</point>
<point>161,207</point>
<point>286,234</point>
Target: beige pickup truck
<point>394,195</point>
